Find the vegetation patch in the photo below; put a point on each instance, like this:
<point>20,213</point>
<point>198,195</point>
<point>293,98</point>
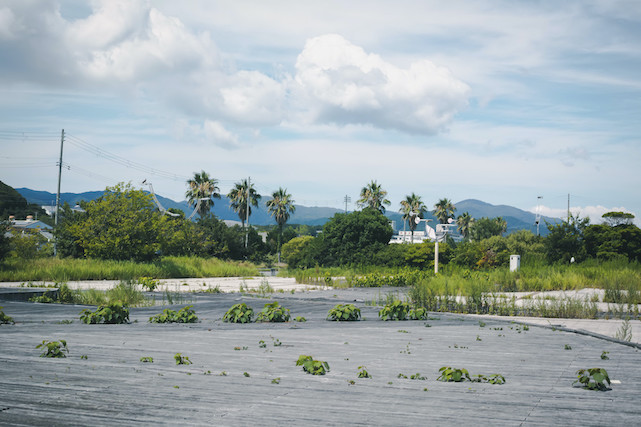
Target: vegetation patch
<point>344,312</point>
<point>273,312</point>
<point>182,360</point>
<point>4,319</point>
<point>114,313</point>
<point>399,310</point>
<point>53,348</point>
<point>362,373</point>
<point>239,313</point>
<point>449,374</point>
<point>593,379</point>
<point>147,359</point>
<point>311,366</point>
<point>184,315</point>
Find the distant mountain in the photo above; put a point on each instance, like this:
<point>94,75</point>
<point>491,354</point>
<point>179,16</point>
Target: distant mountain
<point>517,219</point>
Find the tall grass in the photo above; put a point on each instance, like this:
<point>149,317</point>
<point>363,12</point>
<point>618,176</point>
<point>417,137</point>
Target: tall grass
<point>62,270</point>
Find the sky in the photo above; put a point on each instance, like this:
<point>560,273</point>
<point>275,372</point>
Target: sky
<point>522,103</point>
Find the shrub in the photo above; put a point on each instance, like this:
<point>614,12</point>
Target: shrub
<point>344,312</point>
<point>449,374</point>
<point>53,348</point>
<point>184,315</point>
<point>397,310</point>
<point>182,360</point>
<point>363,372</point>
<point>311,366</point>
<point>4,319</point>
<point>593,379</point>
<point>114,313</point>
<point>239,313</point>
<point>273,313</point>
<point>148,283</point>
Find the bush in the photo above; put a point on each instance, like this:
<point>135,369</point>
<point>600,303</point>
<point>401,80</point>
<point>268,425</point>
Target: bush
<point>311,366</point>
<point>4,319</point>
<point>344,312</point>
<point>114,313</point>
<point>273,313</point>
<point>53,348</point>
<point>593,379</point>
<point>184,315</point>
<point>239,313</point>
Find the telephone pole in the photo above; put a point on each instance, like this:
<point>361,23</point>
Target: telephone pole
<point>247,212</point>
<point>347,200</point>
<point>62,141</point>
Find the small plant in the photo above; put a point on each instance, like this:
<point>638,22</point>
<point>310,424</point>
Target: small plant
<point>273,312</point>
<point>276,341</point>
<point>184,315</point>
<point>363,372</point>
<point>417,313</point>
<point>149,283</point>
<point>276,380</point>
<point>241,348</point>
<point>478,338</point>
<point>417,376</point>
<point>624,333</point>
<point>604,355</point>
<point>311,366</point>
<point>42,299</point>
<point>593,379</point>
<point>402,376</point>
<point>223,374</point>
<point>261,344</point>
<point>246,374</point>
<point>84,357</point>
<point>449,374</point>
<point>567,347</point>
<point>4,319</point>
<point>239,313</point>
<point>265,288</point>
<point>344,312</point>
<point>300,319</point>
<point>182,360</point>
<point>397,310</point>
<point>481,324</point>
<point>147,359</point>
<point>53,348</point>
<point>114,313</point>
<point>495,379</point>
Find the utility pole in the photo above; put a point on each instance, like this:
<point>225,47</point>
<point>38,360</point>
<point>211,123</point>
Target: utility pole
<point>62,141</point>
<point>347,200</point>
<point>247,212</point>
<point>568,207</point>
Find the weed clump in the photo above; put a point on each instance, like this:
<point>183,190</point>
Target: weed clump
<point>184,315</point>
<point>114,313</point>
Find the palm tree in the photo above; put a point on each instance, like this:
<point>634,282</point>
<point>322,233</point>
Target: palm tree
<point>412,208</point>
<point>444,210</point>
<point>502,224</point>
<point>201,190</point>
<point>373,196</point>
<point>464,223</point>
<point>242,193</point>
<point>280,207</point>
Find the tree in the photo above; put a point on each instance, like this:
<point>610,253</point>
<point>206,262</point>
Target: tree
<point>464,224</point>
<point>485,228</point>
<point>354,238</point>
<point>565,240</point>
<point>5,246</point>
<point>617,218</point>
<point>412,208</point>
<point>280,207</point>
<point>373,196</point>
<point>202,189</point>
<point>298,253</point>
<point>444,210</point>
<point>607,242</point>
<point>238,198</point>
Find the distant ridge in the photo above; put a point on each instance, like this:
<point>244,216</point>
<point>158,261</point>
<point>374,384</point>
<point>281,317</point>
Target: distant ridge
<point>517,219</point>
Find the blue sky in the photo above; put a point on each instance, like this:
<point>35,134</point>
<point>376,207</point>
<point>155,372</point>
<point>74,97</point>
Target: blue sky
<point>500,101</point>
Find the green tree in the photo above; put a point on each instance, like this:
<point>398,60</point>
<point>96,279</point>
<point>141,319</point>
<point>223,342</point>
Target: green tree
<point>444,210</point>
<point>485,228</point>
<point>565,240</point>
<point>354,238</point>
<point>464,224</point>
<point>412,209</point>
<point>280,207</point>
<point>201,190</point>
<point>239,196</point>
<point>608,242</point>
<point>373,196</point>
<point>617,218</point>
<point>122,224</point>
<point>298,252</point>
<point>5,245</point>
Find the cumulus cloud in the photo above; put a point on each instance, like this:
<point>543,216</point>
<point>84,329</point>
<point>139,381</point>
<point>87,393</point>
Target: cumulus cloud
<point>344,84</point>
<point>593,212</point>
<point>217,134</point>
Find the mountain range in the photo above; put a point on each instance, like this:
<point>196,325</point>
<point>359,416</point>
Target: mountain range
<point>517,219</point>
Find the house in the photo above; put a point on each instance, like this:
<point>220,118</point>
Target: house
<point>30,225</point>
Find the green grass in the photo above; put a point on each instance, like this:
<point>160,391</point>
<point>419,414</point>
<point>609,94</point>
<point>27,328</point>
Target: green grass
<point>62,270</point>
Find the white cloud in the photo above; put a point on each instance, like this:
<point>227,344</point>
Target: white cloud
<point>217,134</point>
<point>593,212</point>
<point>344,84</point>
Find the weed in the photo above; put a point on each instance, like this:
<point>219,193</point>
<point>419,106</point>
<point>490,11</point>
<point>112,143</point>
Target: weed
<point>351,382</point>
<point>65,322</point>
<point>148,283</point>
<point>265,288</point>
<point>311,366</point>
<point>403,331</point>
<point>300,319</point>
<point>402,376</point>
<point>246,374</point>
<point>239,313</point>
<point>344,312</point>
<point>276,341</point>
<point>417,376</point>
<point>147,359</point>
<point>114,313</point>
<point>273,312</point>
<point>363,372</point>
<point>83,357</point>
<point>276,380</point>
<point>624,333</point>
<point>567,347</point>
<point>42,299</point>
<point>53,348</point>
<point>184,315</point>
<point>478,338</point>
<point>182,360</point>
<point>222,374</point>
<point>241,348</point>
<point>593,379</point>
<point>449,374</point>
<point>4,319</point>
<point>481,324</point>
<point>215,290</point>
<point>261,344</point>
<point>604,355</point>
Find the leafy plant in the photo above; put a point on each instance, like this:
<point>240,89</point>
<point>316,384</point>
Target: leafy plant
<point>239,313</point>
<point>53,348</point>
<point>246,374</point>
<point>593,379</point>
<point>604,355</point>
<point>300,319</point>
<point>276,380</point>
<point>363,372</point>
<point>184,315</point>
<point>147,359</point>
<point>449,374</point>
<point>624,333</point>
<point>344,312</point>
<point>311,366</point>
<point>273,312</point>
<point>417,376</point>
<point>182,360</point>
<point>148,283</point>
<point>4,319</point>
<point>567,347</point>
<point>397,310</point>
<point>261,344</point>
<point>417,313</point>
<point>113,313</point>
